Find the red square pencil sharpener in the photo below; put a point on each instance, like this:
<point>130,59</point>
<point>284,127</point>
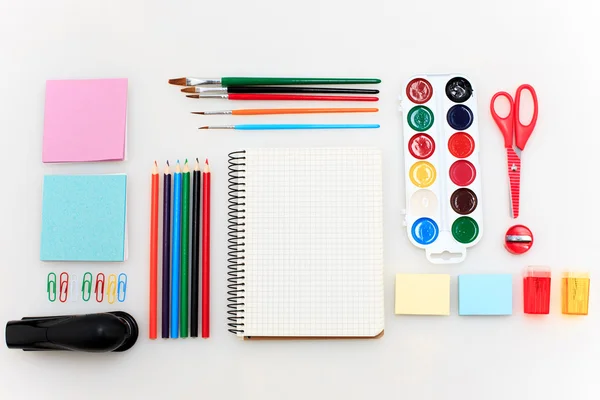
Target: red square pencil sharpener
<point>536,290</point>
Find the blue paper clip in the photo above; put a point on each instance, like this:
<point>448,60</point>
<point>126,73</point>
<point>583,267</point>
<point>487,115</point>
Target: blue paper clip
<point>86,286</point>
<point>51,287</point>
<point>122,288</point>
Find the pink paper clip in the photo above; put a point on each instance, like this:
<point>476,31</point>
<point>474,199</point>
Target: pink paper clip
<point>99,288</point>
<point>64,287</point>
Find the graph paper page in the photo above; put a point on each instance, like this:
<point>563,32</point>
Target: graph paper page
<point>314,242</point>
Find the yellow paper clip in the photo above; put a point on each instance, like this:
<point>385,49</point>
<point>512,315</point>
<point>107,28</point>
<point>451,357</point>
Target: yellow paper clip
<point>111,289</point>
<point>575,293</point>
<point>51,287</point>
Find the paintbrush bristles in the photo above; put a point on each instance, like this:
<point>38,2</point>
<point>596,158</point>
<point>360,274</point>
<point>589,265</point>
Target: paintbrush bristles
<point>178,81</point>
<point>189,90</point>
<point>193,96</point>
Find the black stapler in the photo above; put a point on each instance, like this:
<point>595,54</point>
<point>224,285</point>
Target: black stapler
<point>96,333</point>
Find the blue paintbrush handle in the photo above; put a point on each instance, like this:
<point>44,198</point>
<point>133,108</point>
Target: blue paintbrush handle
<point>257,127</point>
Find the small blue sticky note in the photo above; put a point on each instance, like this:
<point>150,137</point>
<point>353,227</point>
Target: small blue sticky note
<point>84,218</point>
<point>485,294</point>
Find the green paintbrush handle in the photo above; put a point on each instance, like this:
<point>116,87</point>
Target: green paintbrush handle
<point>244,81</point>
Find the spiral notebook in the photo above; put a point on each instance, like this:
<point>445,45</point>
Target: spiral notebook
<point>306,243</point>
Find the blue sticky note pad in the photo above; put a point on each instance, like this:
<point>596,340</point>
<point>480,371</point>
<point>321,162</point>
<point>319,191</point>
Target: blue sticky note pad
<point>84,218</point>
<point>485,294</point>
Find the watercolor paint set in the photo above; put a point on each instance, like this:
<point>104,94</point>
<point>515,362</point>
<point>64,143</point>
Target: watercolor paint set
<point>443,212</point>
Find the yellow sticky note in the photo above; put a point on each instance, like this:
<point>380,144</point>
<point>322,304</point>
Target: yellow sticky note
<point>423,294</point>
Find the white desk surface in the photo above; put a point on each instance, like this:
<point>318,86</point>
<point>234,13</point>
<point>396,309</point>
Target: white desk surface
<point>551,44</point>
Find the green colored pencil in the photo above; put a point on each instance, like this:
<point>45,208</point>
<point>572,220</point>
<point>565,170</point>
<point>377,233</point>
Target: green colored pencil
<point>185,243</point>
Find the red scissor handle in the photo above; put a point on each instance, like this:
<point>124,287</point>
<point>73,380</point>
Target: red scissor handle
<point>523,132</point>
<point>505,124</point>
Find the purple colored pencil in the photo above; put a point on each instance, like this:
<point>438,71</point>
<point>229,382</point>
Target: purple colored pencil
<point>166,255</point>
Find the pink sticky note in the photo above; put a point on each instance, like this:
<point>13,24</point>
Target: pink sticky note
<point>85,120</point>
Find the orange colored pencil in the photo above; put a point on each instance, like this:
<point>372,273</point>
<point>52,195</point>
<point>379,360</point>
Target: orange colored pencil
<point>153,252</point>
<point>270,111</point>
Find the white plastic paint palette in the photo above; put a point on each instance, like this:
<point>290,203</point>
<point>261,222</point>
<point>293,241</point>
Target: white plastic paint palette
<point>441,151</point>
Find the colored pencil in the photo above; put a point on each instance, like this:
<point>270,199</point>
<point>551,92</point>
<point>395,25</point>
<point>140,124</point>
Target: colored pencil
<point>195,270</point>
<point>166,255</point>
<point>206,251</point>
<point>271,111</point>
<point>299,97</point>
<point>176,252</point>
<point>246,81</point>
<point>185,245</point>
<point>153,251</point>
<point>261,127</point>
<point>276,89</point>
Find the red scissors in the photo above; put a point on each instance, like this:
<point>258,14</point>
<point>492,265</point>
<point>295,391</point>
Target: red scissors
<point>516,136</point>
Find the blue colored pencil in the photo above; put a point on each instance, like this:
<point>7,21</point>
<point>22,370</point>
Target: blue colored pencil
<point>176,252</point>
<point>261,127</point>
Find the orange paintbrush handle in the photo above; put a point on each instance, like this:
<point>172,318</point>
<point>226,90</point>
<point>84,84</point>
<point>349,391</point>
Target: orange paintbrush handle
<point>266,111</point>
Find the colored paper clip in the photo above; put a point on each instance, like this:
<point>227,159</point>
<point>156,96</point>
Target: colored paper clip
<point>51,287</point>
<point>86,286</point>
<point>122,287</point>
<point>73,288</point>
<point>99,287</point>
<point>111,288</point>
<point>64,287</point>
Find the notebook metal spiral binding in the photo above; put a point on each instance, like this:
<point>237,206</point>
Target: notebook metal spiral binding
<point>235,255</point>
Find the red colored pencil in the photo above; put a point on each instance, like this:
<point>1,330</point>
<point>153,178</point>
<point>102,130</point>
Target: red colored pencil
<point>153,252</point>
<point>206,251</point>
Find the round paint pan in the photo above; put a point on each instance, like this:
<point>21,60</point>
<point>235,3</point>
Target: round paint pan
<point>419,91</point>
<point>421,146</point>
<point>465,230</point>
<point>462,173</point>
<point>425,231</point>
<point>459,89</point>
<point>459,117</point>
<point>420,118</point>
<point>461,145</point>
<point>463,201</point>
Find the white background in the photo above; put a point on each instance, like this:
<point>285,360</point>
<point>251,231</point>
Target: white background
<point>551,44</point>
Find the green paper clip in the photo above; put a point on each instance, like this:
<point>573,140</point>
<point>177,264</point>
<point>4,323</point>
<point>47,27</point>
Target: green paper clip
<point>51,287</point>
<point>86,286</point>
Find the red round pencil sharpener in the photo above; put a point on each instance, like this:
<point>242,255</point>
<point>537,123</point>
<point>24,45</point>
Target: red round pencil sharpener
<point>518,239</point>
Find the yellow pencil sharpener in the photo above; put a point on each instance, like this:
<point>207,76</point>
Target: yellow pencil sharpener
<point>575,293</point>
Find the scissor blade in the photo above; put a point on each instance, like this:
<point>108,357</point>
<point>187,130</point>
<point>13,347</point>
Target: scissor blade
<point>514,177</point>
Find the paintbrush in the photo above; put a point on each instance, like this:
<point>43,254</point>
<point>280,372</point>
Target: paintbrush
<point>245,81</point>
<point>275,89</point>
<point>260,127</point>
<point>270,111</point>
<point>258,96</point>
